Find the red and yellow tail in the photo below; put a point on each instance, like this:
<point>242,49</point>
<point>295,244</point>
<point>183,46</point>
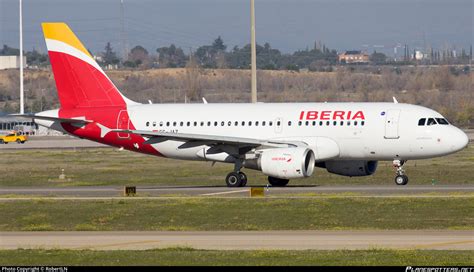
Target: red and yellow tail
<point>80,81</point>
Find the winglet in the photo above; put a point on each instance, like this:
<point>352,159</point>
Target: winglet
<point>395,100</point>
<point>204,100</point>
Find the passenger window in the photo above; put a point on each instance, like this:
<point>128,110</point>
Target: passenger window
<point>243,123</point>
<point>154,124</point>
<point>321,123</point>
<point>215,123</point>
<point>307,123</point>
<point>422,121</point>
<point>236,123</point>
<point>334,123</point>
<point>314,123</point>
<point>355,123</point>
<point>229,123</point>
<point>327,123</point>
<point>174,124</point>
<point>250,123</point>
<point>289,123</point>
<point>263,123</point>
<point>222,123</point>
<point>147,124</point>
<point>278,123</point>
<point>188,124</point>
<point>181,124</point>
<point>348,123</point>
<point>362,123</point>
<point>442,121</point>
<point>342,123</point>
<point>256,123</point>
<point>208,123</point>
<point>167,124</point>
<point>431,122</point>
<point>270,123</point>
<point>299,123</point>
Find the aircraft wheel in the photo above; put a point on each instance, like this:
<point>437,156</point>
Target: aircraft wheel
<point>243,179</point>
<point>233,179</point>
<point>277,182</point>
<point>401,180</point>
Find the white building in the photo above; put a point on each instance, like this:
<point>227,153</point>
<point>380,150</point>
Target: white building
<point>11,62</point>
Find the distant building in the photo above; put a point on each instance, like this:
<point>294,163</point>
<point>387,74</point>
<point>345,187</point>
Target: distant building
<point>11,62</point>
<point>22,126</point>
<point>353,56</point>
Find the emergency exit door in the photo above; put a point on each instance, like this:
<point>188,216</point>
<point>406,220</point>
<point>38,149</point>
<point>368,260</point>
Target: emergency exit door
<point>392,118</point>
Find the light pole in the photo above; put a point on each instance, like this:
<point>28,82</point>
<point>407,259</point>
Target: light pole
<point>22,106</point>
<point>254,51</point>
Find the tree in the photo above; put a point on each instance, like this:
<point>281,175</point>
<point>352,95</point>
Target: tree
<point>35,58</point>
<point>171,56</point>
<point>9,51</point>
<point>218,44</point>
<point>378,58</point>
<point>139,56</point>
<point>109,56</point>
<point>212,56</point>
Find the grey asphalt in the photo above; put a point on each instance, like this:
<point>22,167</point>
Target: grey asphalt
<point>56,142</point>
<point>222,191</point>
<point>243,240</point>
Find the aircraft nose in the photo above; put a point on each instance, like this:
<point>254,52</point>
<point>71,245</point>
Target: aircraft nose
<point>459,140</point>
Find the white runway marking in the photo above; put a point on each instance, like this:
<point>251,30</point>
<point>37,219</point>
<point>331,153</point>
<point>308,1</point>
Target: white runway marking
<point>226,192</point>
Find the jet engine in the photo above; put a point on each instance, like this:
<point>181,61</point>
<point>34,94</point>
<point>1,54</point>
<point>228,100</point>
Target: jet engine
<point>350,168</point>
<point>285,163</point>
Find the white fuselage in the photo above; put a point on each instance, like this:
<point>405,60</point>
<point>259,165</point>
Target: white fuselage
<point>387,131</point>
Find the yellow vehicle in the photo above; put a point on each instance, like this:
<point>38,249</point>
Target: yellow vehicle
<point>13,137</point>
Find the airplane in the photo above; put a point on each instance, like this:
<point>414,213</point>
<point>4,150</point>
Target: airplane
<point>282,140</point>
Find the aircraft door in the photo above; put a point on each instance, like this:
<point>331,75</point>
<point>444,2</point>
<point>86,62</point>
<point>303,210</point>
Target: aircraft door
<point>278,125</point>
<point>391,124</point>
<point>123,122</point>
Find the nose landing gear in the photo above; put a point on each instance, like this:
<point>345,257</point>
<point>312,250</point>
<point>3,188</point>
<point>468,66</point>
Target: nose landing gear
<point>401,178</point>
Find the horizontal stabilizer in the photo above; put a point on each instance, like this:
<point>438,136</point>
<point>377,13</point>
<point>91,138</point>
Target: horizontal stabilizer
<point>57,119</point>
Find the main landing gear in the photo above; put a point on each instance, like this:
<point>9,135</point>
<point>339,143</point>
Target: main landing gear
<point>236,179</point>
<point>401,178</point>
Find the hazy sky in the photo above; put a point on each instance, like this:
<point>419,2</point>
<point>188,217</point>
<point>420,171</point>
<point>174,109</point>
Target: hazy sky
<point>286,24</point>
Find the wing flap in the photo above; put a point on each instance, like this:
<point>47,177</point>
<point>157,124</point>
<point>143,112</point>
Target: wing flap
<point>156,137</point>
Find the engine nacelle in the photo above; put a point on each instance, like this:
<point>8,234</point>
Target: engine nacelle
<point>285,163</point>
<point>351,168</point>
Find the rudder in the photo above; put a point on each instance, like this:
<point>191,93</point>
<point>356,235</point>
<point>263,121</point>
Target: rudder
<point>80,81</point>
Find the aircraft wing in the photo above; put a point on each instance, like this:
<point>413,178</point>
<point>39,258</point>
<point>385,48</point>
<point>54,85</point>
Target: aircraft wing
<point>157,137</point>
<point>49,118</point>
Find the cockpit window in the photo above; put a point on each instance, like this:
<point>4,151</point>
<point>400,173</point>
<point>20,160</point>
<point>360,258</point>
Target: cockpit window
<point>422,122</point>
<point>442,121</point>
<point>431,121</point>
